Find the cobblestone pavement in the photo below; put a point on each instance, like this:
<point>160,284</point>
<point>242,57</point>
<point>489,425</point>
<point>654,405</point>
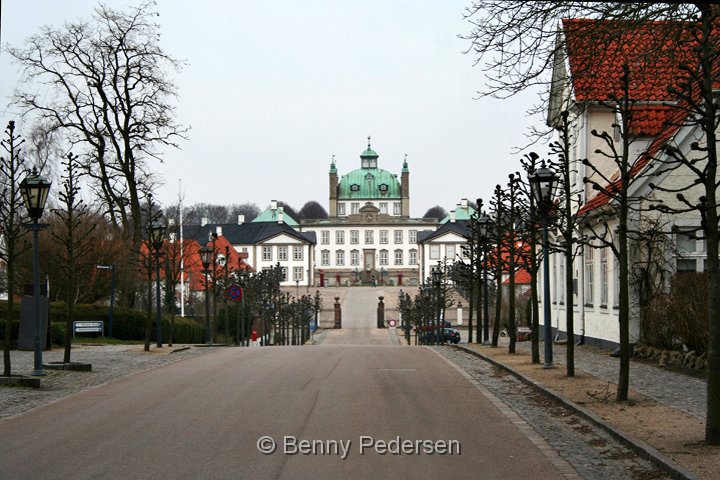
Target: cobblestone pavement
<point>685,393</point>
<point>109,362</point>
<point>592,452</point>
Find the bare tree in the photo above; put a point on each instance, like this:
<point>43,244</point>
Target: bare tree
<point>12,215</point>
<point>436,212</point>
<point>313,210</point>
<point>107,89</point>
<point>74,237</point>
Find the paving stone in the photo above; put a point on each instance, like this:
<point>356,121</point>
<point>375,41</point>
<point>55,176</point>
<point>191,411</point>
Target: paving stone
<point>591,451</point>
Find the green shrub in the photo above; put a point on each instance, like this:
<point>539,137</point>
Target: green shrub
<point>128,324</point>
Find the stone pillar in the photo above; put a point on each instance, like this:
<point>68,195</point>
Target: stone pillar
<point>459,313</point>
<point>338,313</point>
<point>381,312</point>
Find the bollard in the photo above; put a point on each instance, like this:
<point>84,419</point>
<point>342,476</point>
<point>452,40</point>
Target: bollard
<point>338,313</point>
<point>381,313</point>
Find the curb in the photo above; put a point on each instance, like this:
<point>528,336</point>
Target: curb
<point>638,446</point>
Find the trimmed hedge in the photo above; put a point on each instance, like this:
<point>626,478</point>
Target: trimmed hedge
<point>127,324</point>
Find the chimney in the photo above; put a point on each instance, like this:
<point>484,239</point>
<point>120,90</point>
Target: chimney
<point>241,219</point>
<point>203,221</point>
<point>464,202</point>
<point>273,205</point>
<point>452,216</point>
<point>280,215</point>
<point>218,230</point>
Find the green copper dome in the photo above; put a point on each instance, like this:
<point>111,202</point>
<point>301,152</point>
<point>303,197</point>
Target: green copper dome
<point>369,153</point>
<point>369,183</point>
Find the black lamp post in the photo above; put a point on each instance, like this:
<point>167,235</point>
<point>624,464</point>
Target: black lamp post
<point>110,267</point>
<point>156,233</point>
<point>543,183</point>
<point>206,254</point>
<point>35,189</point>
<point>484,228</point>
<point>437,280</point>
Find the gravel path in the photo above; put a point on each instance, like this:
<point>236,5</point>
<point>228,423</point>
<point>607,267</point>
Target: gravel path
<point>109,362</point>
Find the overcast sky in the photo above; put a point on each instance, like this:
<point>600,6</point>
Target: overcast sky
<point>273,89</point>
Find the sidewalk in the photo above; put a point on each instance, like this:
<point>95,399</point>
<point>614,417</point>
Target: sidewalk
<point>664,418</point>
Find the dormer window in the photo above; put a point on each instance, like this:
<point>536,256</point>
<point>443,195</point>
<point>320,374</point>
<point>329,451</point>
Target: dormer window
<point>383,187</point>
<point>354,187</point>
<point>369,176</point>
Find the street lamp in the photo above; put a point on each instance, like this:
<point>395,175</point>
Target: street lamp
<point>35,189</point>
<point>156,233</point>
<point>485,225</point>
<point>206,254</point>
<point>437,279</point>
<point>110,267</point>
<point>543,183</point>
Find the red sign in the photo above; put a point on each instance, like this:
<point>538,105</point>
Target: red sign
<point>234,293</point>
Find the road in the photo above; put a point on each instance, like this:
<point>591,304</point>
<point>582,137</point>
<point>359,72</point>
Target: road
<point>202,418</point>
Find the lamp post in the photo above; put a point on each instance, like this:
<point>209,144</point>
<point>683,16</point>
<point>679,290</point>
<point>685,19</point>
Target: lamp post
<point>206,254</point>
<point>110,267</point>
<point>35,189</point>
<point>543,183</point>
<point>383,272</point>
<point>437,280</point>
<point>484,228</point>
<point>156,233</point>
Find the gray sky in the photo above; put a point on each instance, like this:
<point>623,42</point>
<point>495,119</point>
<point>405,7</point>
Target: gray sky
<point>273,89</point>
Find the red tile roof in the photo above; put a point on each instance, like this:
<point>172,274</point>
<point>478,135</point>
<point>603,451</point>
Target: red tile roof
<point>651,54</point>
<point>654,59</point>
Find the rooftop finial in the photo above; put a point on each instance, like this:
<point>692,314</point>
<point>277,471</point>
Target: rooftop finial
<point>333,159</point>
<point>369,142</point>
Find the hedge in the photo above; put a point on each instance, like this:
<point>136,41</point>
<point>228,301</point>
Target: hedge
<point>128,324</point>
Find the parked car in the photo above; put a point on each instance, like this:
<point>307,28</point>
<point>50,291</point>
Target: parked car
<point>451,335</point>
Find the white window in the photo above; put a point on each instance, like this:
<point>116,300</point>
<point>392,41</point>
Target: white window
<point>561,277</point>
<point>340,258</point>
<point>282,254</point>
<point>325,258</point>
<point>616,282</point>
<point>383,207</point>
<point>340,237</point>
<point>413,236</point>
<point>413,257</point>
<point>398,257</point>
<point>434,252</point>
<point>283,274</point>
<point>604,277</point>
<point>383,257</point>
<point>588,272</point>
<point>450,252</point>
<point>398,236</point>
<point>354,237</point>
<point>298,253</point>
<point>341,209</point>
<point>690,251</point>
<point>267,254</point>
<point>325,237</point>
<point>298,274</point>
<point>383,236</point>
<point>354,258</point>
<point>368,237</point>
<point>397,209</point>
<point>354,207</point>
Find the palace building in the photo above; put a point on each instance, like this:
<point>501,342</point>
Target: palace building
<point>367,238</point>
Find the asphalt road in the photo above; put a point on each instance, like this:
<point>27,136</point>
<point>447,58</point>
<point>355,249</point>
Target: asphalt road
<point>363,411</point>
